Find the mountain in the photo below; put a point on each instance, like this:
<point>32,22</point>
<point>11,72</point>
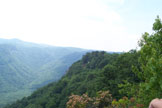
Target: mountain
<point>94,72</point>
<point>25,66</point>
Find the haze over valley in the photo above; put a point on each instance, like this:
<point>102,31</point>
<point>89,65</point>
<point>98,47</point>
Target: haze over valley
<point>25,67</point>
<point>80,53</point>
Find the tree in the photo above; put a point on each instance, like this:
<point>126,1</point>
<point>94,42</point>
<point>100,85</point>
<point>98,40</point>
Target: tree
<point>151,64</point>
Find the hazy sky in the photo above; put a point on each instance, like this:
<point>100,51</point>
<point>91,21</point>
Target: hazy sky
<point>111,25</point>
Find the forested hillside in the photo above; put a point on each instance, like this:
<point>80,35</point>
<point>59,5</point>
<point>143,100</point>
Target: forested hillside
<point>133,78</point>
<point>94,72</point>
<point>25,66</point>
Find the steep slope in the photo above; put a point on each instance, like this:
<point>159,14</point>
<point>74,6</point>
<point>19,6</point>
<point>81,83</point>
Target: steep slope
<point>26,66</point>
<point>94,72</point>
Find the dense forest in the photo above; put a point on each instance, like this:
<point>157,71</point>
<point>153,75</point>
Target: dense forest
<point>130,79</point>
<point>25,66</point>
<point>95,71</point>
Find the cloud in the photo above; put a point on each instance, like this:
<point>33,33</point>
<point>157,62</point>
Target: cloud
<point>78,23</point>
<point>121,2</point>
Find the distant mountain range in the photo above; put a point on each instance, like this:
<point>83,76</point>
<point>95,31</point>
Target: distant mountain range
<point>26,66</point>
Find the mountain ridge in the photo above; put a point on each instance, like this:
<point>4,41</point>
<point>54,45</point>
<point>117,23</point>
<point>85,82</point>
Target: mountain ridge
<point>21,63</point>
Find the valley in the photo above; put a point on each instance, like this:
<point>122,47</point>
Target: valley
<point>25,67</point>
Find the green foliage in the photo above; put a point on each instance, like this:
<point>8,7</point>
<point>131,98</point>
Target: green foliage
<point>151,62</point>
<point>126,103</point>
<point>149,70</point>
<point>94,72</point>
<point>157,25</point>
<point>118,72</point>
<point>24,67</point>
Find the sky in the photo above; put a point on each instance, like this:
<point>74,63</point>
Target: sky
<point>110,25</point>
